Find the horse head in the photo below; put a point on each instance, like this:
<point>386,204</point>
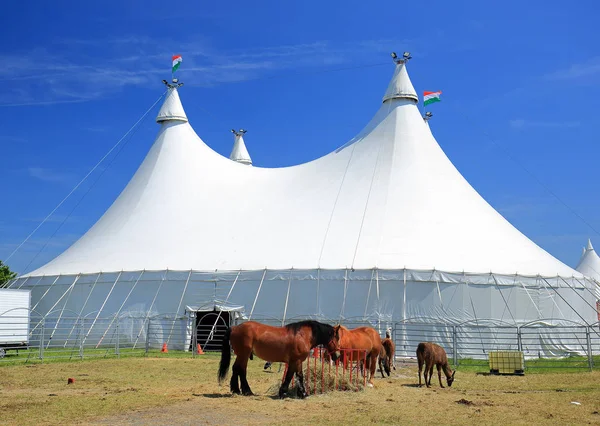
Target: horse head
<point>333,346</point>
<point>450,379</point>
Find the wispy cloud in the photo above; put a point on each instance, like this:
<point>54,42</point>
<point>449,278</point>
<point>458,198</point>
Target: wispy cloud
<point>84,70</point>
<point>522,124</point>
<point>49,175</point>
<point>578,71</point>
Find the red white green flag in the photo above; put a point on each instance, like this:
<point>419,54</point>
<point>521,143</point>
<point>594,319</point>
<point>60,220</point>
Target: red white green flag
<point>176,62</point>
<point>431,97</point>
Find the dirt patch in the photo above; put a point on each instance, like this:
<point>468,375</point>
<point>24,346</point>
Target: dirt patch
<point>464,402</point>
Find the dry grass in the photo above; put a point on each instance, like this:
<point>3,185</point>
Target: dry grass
<point>185,391</point>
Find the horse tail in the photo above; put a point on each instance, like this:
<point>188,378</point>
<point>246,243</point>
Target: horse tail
<point>225,356</point>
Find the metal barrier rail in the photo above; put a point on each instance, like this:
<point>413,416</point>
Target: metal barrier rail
<point>69,337</point>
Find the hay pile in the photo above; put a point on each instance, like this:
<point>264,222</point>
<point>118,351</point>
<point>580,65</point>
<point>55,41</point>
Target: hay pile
<point>331,381</point>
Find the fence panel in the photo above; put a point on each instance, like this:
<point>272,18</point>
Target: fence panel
<point>474,342</point>
<point>543,344</point>
<point>407,336</point>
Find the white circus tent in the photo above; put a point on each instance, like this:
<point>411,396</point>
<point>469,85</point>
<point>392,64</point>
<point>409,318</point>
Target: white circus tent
<point>589,264</point>
<point>384,228</point>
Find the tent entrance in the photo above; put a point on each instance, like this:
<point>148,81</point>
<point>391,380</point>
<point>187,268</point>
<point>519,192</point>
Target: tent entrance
<point>205,321</point>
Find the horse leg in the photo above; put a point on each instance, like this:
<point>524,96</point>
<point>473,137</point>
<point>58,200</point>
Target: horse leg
<point>235,373</point>
<point>439,369</point>
<point>381,367</point>
<point>420,361</point>
<point>244,381</point>
<point>300,374</point>
<point>372,369</point>
<point>430,373</point>
<point>286,382</point>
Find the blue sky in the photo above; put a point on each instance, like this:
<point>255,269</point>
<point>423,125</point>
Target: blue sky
<point>520,84</point>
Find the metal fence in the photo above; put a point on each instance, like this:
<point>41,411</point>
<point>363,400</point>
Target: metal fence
<point>544,343</point>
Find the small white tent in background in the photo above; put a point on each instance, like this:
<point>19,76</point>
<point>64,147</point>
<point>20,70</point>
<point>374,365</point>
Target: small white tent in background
<point>239,152</point>
<point>589,264</point>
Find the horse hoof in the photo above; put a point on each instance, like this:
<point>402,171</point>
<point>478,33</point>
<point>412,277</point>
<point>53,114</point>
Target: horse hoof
<point>370,385</point>
<point>248,393</point>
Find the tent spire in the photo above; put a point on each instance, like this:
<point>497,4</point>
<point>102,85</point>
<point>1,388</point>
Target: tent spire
<point>239,152</point>
<point>400,87</point>
<point>171,109</point>
<point>589,245</point>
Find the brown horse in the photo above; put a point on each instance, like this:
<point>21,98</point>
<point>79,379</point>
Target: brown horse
<point>290,344</point>
<point>386,358</point>
<point>362,338</point>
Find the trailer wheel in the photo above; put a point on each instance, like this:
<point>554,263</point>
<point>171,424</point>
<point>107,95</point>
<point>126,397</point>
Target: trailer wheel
<point>2,353</point>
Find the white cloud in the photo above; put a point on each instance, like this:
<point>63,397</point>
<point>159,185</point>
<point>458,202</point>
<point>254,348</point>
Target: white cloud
<point>577,71</point>
<point>84,70</point>
<point>49,175</point>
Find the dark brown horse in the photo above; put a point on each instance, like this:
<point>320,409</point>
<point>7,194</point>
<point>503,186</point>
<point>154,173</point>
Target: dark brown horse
<point>362,338</point>
<point>290,344</point>
<point>386,358</point>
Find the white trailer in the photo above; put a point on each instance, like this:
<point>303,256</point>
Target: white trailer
<point>15,306</point>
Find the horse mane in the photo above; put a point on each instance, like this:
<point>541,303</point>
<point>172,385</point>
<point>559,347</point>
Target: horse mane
<point>322,333</point>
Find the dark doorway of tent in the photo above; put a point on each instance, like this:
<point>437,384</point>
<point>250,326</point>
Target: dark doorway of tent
<point>210,329</point>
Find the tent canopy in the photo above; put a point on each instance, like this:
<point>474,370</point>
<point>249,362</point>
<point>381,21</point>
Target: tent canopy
<point>389,198</point>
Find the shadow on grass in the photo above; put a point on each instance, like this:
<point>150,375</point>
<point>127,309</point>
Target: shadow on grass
<point>214,395</point>
<point>411,385</point>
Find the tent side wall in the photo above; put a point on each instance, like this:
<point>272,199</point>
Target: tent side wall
<point>133,299</point>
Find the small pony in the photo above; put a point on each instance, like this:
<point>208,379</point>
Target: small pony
<point>432,354</point>
<point>290,344</point>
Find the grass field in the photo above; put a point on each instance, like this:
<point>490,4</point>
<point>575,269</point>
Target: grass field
<point>171,390</point>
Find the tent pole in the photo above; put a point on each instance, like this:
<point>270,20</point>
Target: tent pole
<point>69,291</point>
<point>506,306</point>
<point>121,307</point>
<point>162,280</point>
<point>369,293</point>
<point>212,330</point>
<point>179,306</point>
<point>257,293</point>
<point>404,298</point>
<point>345,291</point>
<point>46,292</point>
<point>101,308</point>
<point>564,300</point>
<point>25,281</point>
<point>287,296</point>
<point>84,305</point>
<point>318,290</point>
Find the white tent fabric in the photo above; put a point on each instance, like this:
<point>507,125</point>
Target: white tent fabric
<point>239,152</point>
<point>589,264</point>
<point>384,228</point>
<point>389,198</point>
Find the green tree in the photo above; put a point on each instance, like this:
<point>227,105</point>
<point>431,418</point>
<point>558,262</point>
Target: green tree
<point>5,274</point>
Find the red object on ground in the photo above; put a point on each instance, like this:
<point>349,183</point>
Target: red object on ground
<point>70,380</point>
<point>164,348</point>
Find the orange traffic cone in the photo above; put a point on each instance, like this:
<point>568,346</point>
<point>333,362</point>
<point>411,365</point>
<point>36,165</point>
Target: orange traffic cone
<point>199,349</point>
<point>164,348</point>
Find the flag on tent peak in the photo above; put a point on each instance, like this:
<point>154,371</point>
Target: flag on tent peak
<point>176,62</point>
<point>431,97</point>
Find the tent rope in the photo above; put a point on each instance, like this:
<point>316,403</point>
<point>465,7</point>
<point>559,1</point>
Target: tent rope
<point>85,177</point>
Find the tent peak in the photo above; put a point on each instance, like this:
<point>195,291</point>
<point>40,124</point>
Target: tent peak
<point>171,109</point>
<point>239,152</point>
<point>400,86</point>
<point>589,245</point>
